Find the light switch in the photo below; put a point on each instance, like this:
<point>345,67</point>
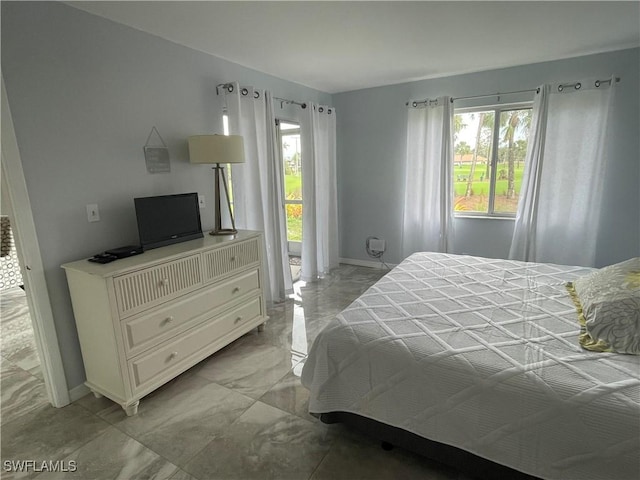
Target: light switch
<point>93,214</point>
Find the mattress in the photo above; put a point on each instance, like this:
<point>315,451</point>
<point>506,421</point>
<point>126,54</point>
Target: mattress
<point>483,354</point>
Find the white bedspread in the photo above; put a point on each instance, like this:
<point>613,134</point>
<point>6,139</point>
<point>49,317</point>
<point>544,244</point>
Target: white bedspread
<point>483,354</point>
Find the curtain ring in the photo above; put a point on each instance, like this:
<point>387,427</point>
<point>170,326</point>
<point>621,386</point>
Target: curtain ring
<point>577,86</point>
<point>414,104</point>
<point>304,105</point>
<point>597,84</point>
<point>230,88</point>
<point>321,109</point>
<point>538,90</point>
<point>244,91</point>
<point>256,94</point>
<point>560,88</point>
<point>329,111</point>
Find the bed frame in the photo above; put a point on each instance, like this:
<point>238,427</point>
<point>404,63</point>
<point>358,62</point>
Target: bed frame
<point>462,460</point>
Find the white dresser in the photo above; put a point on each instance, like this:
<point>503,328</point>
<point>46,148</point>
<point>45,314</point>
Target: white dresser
<point>145,319</point>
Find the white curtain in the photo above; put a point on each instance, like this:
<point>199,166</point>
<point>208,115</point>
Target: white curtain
<point>258,194</point>
<point>428,197</point>
<point>562,189</point>
<point>319,192</point>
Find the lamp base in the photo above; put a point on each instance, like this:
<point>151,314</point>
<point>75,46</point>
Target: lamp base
<point>223,231</point>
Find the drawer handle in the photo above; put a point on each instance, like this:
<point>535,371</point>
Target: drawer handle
<point>164,282</point>
<point>233,259</point>
<point>237,320</point>
<point>168,320</point>
<point>173,355</point>
<point>235,290</point>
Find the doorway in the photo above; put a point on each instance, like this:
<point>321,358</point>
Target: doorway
<point>15,199</point>
<point>18,339</point>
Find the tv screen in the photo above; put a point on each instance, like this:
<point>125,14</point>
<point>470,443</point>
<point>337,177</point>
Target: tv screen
<point>168,219</point>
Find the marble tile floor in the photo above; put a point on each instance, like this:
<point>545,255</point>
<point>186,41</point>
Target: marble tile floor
<point>22,389</point>
<point>240,414</point>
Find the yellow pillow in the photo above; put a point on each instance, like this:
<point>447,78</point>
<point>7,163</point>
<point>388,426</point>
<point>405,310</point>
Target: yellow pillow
<point>608,303</point>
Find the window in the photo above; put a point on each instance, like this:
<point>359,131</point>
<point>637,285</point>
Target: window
<point>289,134</point>
<point>486,179</point>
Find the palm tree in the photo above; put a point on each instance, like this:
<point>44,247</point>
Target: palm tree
<point>520,150</point>
<point>472,172</point>
<point>457,126</point>
<point>514,121</point>
<point>462,148</point>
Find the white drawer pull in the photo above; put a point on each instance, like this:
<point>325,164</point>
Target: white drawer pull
<point>233,259</point>
<point>235,290</point>
<point>173,355</point>
<point>168,320</point>
<point>237,320</point>
<point>164,282</point>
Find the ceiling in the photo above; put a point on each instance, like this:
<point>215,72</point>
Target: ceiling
<point>342,46</point>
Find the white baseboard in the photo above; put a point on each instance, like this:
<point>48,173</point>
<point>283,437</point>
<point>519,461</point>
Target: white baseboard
<point>76,393</point>
<point>365,263</point>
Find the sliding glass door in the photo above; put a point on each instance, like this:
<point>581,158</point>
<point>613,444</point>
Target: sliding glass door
<point>289,134</point>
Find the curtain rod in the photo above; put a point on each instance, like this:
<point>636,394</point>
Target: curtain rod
<point>578,85</point>
<point>496,94</point>
<point>429,102</point>
<point>289,102</point>
<point>426,101</point>
<point>229,87</point>
<point>561,87</point>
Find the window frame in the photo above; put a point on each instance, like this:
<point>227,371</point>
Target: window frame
<point>496,109</point>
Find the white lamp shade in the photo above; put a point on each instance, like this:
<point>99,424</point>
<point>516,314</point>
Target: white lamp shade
<point>216,149</point>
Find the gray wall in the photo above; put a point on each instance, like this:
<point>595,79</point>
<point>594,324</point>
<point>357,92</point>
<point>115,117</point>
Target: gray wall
<point>372,142</point>
<point>84,93</point>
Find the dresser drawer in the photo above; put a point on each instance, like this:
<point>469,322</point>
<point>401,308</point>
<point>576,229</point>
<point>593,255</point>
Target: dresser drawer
<point>149,367</point>
<point>152,286</point>
<point>229,259</point>
<point>144,330</point>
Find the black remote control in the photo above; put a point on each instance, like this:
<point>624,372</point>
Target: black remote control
<point>103,258</point>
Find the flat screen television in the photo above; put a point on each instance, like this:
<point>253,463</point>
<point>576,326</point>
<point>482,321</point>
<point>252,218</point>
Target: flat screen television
<point>167,219</point>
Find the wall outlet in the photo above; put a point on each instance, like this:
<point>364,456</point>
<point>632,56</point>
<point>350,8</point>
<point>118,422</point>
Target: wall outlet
<point>93,214</point>
<point>201,202</point>
<point>377,245</point>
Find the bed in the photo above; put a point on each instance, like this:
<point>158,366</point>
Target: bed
<point>475,359</point>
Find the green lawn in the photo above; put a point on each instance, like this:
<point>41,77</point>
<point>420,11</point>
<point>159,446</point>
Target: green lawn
<point>293,187</point>
<point>479,200</point>
<point>294,229</point>
<point>481,187</point>
<point>293,191</point>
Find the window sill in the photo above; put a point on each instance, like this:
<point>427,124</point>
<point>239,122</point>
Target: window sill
<point>483,217</point>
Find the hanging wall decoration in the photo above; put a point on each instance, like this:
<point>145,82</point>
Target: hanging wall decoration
<point>156,156</point>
